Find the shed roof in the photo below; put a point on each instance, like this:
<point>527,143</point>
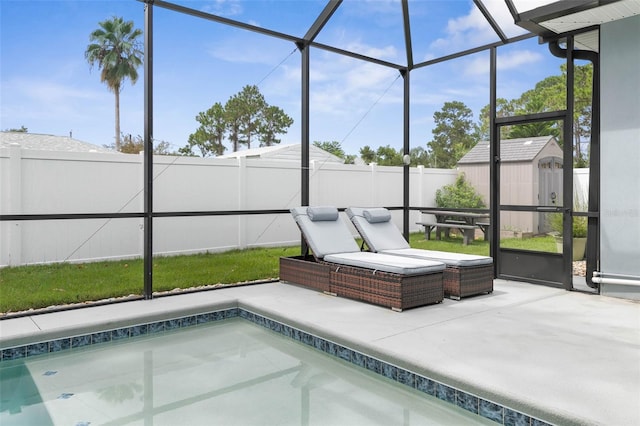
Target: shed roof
<point>511,150</point>
<point>286,152</point>
<point>37,141</point>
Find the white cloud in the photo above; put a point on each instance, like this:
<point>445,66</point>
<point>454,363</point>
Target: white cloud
<point>224,7</point>
<point>472,29</point>
<point>344,86</point>
<point>253,51</point>
<point>518,58</point>
<point>38,98</point>
<point>464,32</point>
<point>384,53</point>
<point>45,91</point>
<point>479,66</point>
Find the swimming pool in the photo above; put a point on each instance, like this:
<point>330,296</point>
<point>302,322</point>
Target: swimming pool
<point>226,372</point>
<point>92,342</point>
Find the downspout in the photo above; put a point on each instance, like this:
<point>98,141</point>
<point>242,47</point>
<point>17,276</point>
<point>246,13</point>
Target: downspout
<point>593,231</point>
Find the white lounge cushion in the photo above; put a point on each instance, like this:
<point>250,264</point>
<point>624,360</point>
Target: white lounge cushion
<point>379,236</point>
<point>450,259</point>
<point>385,237</point>
<point>386,263</point>
<point>378,215</point>
<point>325,236</point>
<point>322,213</point>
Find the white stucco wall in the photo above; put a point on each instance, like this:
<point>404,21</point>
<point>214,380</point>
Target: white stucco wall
<point>620,152</point>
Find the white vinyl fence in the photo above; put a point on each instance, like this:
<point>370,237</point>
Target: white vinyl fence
<point>48,182</point>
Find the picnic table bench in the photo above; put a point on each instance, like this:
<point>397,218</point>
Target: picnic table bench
<point>465,222</point>
<point>468,231</point>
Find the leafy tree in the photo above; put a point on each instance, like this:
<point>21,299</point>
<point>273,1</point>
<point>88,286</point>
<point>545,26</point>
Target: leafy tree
<point>22,129</point>
<point>453,134</point>
<point>504,108</point>
<point>115,49</point>
<point>368,155</point>
<point>548,95</point>
<point>534,104</point>
<point>419,156</point>
<point>383,156</point>
<point>209,136</point>
<point>274,121</point>
<point>233,118</point>
<point>583,94</point>
<point>335,148</point>
<point>243,118</point>
<point>349,159</point>
<point>248,109</point>
<point>135,145</point>
<point>388,156</point>
<point>459,195</point>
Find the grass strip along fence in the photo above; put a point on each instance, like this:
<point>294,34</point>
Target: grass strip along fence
<point>34,287</point>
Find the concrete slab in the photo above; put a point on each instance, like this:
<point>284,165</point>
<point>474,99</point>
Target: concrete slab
<point>564,357</point>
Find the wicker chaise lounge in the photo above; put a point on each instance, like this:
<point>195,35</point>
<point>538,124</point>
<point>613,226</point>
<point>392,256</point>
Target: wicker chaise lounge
<point>339,267</point>
<point>465,275</point>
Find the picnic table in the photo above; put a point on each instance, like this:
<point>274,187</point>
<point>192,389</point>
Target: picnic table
<point>466,222</point>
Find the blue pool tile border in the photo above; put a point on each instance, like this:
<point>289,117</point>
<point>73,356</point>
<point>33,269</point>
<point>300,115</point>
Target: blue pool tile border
<point>467,401</point>
<point>74,342</point>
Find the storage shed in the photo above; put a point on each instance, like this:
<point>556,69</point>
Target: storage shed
<point>530,174</point>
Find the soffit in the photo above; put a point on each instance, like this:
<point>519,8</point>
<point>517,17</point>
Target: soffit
<point>561,17</point>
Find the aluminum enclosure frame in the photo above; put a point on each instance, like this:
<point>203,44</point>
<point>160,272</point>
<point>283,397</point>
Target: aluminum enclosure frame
<point>303,44</point>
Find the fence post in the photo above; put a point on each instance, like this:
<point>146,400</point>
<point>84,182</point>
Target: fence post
<point>314,191</point>
<point>420,197</point>
<point>14,257</point>
<point>141,208</point>
<point>374,183</point>
<point>242,204</point>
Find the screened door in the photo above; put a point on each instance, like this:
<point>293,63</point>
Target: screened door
<point>530,198</point>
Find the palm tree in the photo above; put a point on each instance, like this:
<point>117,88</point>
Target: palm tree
<point>115,48</point>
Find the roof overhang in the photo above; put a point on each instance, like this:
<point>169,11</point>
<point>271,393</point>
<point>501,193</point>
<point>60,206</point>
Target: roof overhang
<point>580,18</point>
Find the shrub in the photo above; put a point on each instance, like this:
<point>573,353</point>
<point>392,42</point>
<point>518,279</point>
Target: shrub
<point>459,195</point>
<point>579,222</point>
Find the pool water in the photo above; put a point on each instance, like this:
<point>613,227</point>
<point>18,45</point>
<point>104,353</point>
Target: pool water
<point>231,372</point>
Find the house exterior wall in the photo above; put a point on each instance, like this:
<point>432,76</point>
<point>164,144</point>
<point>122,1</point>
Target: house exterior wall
<point>620,158</point>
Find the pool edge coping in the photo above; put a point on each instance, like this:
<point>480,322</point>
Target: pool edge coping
<point>365,356</point>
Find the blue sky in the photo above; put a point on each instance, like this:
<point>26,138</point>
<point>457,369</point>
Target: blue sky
<point>47,86</point>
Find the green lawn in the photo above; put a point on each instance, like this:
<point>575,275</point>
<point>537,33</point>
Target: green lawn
<point>33,287</point>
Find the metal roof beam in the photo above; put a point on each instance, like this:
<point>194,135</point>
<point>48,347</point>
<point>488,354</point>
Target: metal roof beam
<point>489,17</point>
<point>407,33</point>
<point>322,19</point>
<point>219,19</point>
<point>357,56</point>
<point>474,50</point>
<point>512,10</point>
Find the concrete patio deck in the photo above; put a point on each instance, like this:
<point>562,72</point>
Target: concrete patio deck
<point>563,357</point>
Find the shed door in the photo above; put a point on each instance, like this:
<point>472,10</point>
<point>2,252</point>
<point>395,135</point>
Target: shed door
<point>549,189</point>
